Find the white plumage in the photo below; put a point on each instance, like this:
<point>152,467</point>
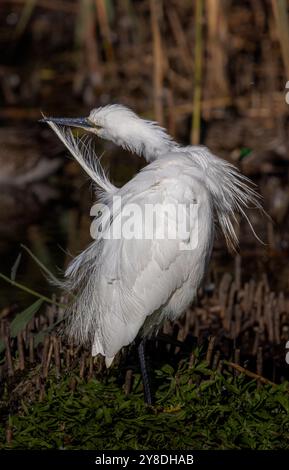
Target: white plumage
<point>124,286</point>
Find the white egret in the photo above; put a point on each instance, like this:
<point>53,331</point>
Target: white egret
<point>125,287</point>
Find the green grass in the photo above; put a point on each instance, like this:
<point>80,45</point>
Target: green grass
<point>214,412</point>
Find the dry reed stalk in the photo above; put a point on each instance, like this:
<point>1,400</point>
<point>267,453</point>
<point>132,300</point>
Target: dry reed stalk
<point>73,384</point>
<point>128,381</point>
<point>224,288</point>
<point>238,320</point>
<point>76,350</point>
<point>238,272</point>
<point>3,324</point>
<point>171,113</point>
<point>197,326</point>
<point>232,333</point>
<point>180,38</point>
<point>247,324</point>
<point>46,356</point>
<point>167,328</point>
<point>182,333</point>
<point>2,372</point>
<point>158,70</point>
<point>265,283</point>
<point>237,356</point>
<point>43,322</point>
<point>82,365</point>
<point>220,366</point>
<point>250,374</point>
<point>71,352</point>
<point>216,359</point>
<point>217,31</point>
<point>245,299</point>
<point>229,308</point>
<point>50,315</point>
<point>259,14</point>
<point>61,347</point>
<point>45,351</point>
<point>99,363</point>
<point>37,382</point>
<point>237,359</point>
<point>270,68</point>
<point>41,391</point>
<point>259,368</point>
<point>25,335</point>
<point>281,303</point>
<point>256,342</point>
<point>9,434</point>
<point>90,40</point>
<point>186,328</point>
<point>262,325</point>
<point>271,235</point>
<point>210,349</point>
<point>280,10</point>
<point>56,348</point>
<point>52,311</point>
<point>20,349</point>
<point>192,361</point>
<point>105,31</point>
<point>30,327</point>
<point>252,287</point>
<point>67,358</point>
<point>198,52</point>
<point>276,321</point>
<point>189,319</point>
<point>8,353</point>
<point>127,28</point>
<point>5,312</point>
<point>31,349</point>
<point>37,323</point>
<point>87,40</point>
<point>284,333</point>
<point>49,357</point>
<point>268,314</point>
<point>258,301</point>
<point>90,367</point>
<point>60,310</point>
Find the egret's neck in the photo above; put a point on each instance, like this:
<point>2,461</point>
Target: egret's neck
<point>147,139</point>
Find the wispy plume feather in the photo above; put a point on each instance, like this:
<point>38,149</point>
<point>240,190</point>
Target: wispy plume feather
<point>232,193</point>
<point>82,150</point>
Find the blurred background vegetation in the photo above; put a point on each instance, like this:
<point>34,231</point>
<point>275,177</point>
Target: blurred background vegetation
<point>212,72</point>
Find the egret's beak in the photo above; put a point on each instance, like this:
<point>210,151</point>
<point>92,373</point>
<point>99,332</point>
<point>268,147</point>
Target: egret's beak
<point>82,123</point>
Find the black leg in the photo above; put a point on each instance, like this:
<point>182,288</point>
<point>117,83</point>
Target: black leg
<point>148,397</point>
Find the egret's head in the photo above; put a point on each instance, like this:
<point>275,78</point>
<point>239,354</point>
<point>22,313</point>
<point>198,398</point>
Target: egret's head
<point>122,126</point>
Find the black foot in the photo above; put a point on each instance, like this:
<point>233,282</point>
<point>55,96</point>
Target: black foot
<point>148,396</point>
